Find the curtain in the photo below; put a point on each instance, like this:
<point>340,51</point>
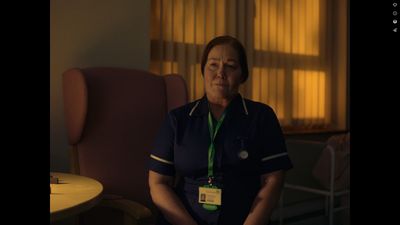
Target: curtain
<point>296,49</point>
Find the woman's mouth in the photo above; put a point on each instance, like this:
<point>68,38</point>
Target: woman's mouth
<point>221,84</point>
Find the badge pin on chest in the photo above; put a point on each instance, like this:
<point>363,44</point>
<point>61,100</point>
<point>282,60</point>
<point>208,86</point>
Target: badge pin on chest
<point>243,154</point>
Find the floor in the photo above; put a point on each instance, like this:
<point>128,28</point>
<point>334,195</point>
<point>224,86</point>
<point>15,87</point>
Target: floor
<point>314,219</point>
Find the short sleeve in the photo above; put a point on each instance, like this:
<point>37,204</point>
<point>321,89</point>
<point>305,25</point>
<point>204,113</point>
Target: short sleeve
<point>273,155</point>
<point>162,152</point>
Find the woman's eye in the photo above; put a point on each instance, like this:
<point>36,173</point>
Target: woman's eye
<point>232,67</point>
<point>213,66</point>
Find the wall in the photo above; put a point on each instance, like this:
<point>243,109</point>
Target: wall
<point>92,33</point>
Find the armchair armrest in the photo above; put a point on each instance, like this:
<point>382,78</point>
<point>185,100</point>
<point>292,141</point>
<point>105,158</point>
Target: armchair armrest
<point>134,213</point>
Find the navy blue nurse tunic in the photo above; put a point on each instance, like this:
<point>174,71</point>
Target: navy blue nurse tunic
<point>181,149</point>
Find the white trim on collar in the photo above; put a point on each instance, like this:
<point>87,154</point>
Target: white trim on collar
<point>243,103</point>
<point>195,106</point>
<point>244,106</point>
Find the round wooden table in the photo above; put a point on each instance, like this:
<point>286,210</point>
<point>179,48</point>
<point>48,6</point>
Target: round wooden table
<point>73,195</point>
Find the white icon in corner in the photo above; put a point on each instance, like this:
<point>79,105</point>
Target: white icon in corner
<point>395,29</point>
<point>394,4</point>
<point>394,21</point>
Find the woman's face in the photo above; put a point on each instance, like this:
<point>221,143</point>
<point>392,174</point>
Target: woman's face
<point>222,72</point>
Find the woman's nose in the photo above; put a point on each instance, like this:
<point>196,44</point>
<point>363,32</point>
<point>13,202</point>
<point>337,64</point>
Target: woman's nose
<point>221,71</point>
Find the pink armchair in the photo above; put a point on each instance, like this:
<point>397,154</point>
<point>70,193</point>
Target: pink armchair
<point>112,116</point>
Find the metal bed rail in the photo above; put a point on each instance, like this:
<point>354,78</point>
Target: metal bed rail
<point>330,193</point>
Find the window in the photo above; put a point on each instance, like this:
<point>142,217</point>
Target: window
<point>296,49</point>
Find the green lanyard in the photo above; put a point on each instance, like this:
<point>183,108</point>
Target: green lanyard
<point>211,148</point>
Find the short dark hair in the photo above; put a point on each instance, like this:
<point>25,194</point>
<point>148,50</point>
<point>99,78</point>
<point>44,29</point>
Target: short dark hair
<point>235,44</point>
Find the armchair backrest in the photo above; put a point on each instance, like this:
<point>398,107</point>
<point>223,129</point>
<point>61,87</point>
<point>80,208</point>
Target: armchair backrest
<point>112,116</point>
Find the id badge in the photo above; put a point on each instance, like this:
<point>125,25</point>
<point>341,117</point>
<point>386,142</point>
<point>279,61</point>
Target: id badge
<point>210,195</point>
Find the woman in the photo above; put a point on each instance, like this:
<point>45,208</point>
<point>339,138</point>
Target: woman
<point>228,152</point>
